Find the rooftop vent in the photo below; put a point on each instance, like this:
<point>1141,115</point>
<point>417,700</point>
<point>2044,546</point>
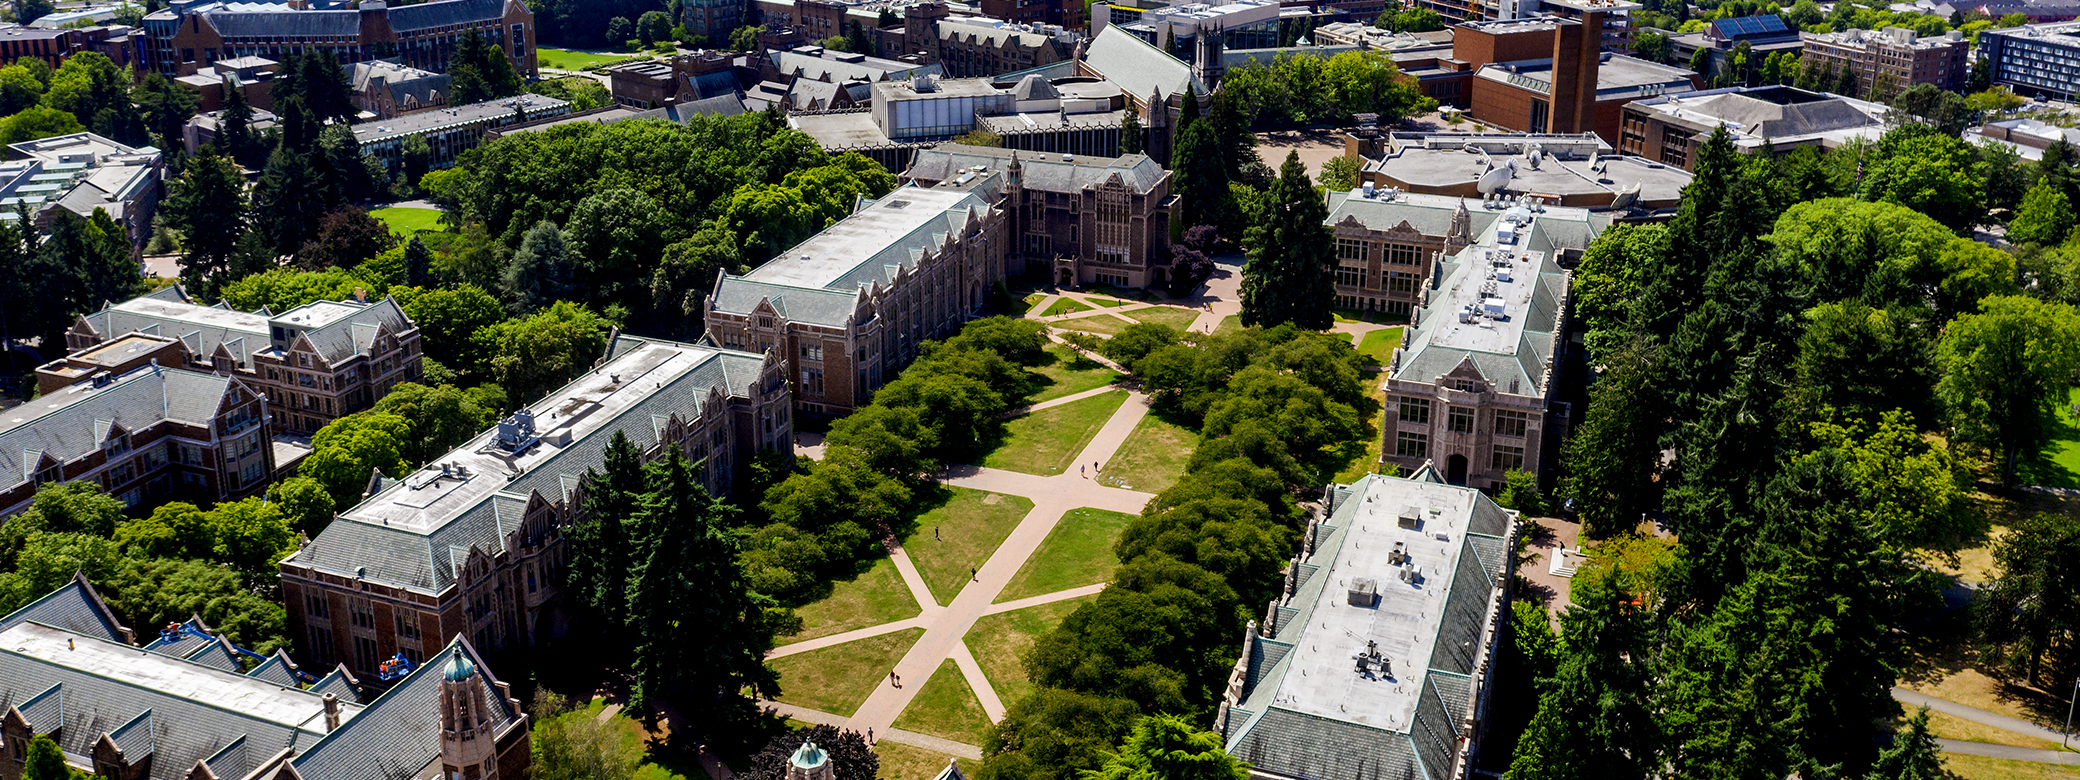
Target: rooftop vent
<point>1410,517</point>
<point>516,433</point>
<point>1364,592</point>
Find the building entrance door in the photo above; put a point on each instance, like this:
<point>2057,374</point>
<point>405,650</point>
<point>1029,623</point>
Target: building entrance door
<point>1455,469</point>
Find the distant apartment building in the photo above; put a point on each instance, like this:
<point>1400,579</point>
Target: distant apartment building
<point>452,130</point>
<point>1473,386</point>
<point>847,309</point>
<point>83,172</point>
<point>472,545</point>
<point>145,436</point>
<point>192,34</point>
<point>316,363</point>
<point>122,45</point>
<point>383,89</point>
<point>2035,59</point>
<point>1886,62</point>
<point>1088,220</point>
<point>253,77</point>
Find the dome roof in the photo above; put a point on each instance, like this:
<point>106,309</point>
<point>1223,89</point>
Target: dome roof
<point>808,756</point>
<point>458,668</point>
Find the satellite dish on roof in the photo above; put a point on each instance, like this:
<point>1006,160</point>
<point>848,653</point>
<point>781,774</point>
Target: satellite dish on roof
<point>1626,197</point>
<point>1593,157</point>
<point>1493,179</point>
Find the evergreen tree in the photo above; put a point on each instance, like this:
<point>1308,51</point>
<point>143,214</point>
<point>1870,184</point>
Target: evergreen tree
<point>499,75</point>
<point>1914,754</point>
<point>467,82</point>
<point>1188,112</point>
<point>288,201</point>
<point>600,549</point>
<point>322,84</point>
<point>697,625</point>
<point>540,273</point>
<point>1131,140</point>
<point>1200,178</point>
<point>166,109</point>
<point>207,205</point>
<point>1287,278</point>
<point>235,130</point>
<point>1231,130</point>
<point>1612,455</point>
<point>46,761</point>
<point>418,263</point>
<point>1166,747</point>
<point>856,39</point>
<point>1595,717</point>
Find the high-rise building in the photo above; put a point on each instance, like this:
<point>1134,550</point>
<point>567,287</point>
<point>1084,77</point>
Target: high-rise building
<point>1886,62</point>
<point>2035,59</point>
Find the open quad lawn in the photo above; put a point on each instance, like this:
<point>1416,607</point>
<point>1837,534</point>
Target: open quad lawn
<point>1380,344</point>
<point>1363,455</point>
<point>1065,306</point>
<point>1153,456</point>
<point>1071,373</point>
<point>565,59</point>
<point>1100,324</point>
<point>946,708</point>
<point>903,762</point>
<point>1045,442</point>
<point>1076,552</point>
<point>2059,465</point>
<point>957,534</point>
<point>839,678</point>
<point>876,596</point>
<point>999,643</point>
<point>408,222</point>
<point>1173,316</point>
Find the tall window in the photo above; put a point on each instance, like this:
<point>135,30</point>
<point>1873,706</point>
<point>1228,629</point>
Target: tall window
<point>1508,458</point>
<point>361,614</point>
<point>1415,410</point>
<point>1403,254</point>
<point>314,606</point>
<point>1675,147</point>
<point>812,352</point>
<point>1350,277</point>
<point>365,653</point>
<point>408,624</point>
<point>1409,444</point>
<point>1458,419</point>
<point>1401,282</point>
<point>1112,225</point>
<point>1350,249</point>
<point>1508,423</point>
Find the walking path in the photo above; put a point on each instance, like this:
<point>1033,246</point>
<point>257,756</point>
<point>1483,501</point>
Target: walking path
<point>1963,747</point>
<point>1995,720</point>
<point>947,626</point>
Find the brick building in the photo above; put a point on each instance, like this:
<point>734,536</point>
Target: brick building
<point>847,309</point>
<point>1548,75</point>
<point>1579,170</point>
<point>472,545</point>
<point>1093,220</point>
<point>684,78</point>
<point>253,77</point>
<point>193,35</point>
<point>192,706</point>
<point>1670,129</point>
<point>974,47</point>
<point>145,436</point>
<point>1060,13</point>
<point>316,363</point>
<point>120,44</point>
<point>386,89</point>
<point>1886,62</point>
<point>1388,243</point>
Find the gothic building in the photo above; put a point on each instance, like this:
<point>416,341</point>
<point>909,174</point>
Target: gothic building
<point>1091,220</point>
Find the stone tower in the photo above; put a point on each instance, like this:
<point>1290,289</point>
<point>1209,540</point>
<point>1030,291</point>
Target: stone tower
<point>1208,49</point>
<point>468,750</point>
<point>1461,233</point>
<point>809,762</point>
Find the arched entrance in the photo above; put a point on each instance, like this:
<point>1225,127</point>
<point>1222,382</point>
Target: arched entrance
<point>1066,276</point>
<point>1455,469</point>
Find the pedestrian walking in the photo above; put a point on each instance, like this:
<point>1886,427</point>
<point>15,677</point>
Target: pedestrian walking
<point>935,534</point>
<point>971,574</point>
<point>870,735</point>
<point>1081,473</point>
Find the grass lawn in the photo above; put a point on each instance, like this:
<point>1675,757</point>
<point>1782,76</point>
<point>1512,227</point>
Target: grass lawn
<point>1380,344</point>
<point>1366,461</point>
<point>1071,373</point>
<point>903,762</point>
<point>1109,303</point>
<point>1985,768</point>
<point>1065,306</point>
<point>945,707</point>
<point>565,59</point>
<point>1173,316</point>
<point>839,678</point>
<point>999,643</point>
<point>1028,303</point>
<point>1953,727</point>
<point>871,599</point>
<point>1970,688</point>
<point>2059,466</point>
<point>628,737</point>
<point>1077,552</point>
<point>1153,456</point>
<point>954,537</point>
<point>1045,442</point>
<point>408,222</point>
<point>1228,323</point>
<point>1102,324</point>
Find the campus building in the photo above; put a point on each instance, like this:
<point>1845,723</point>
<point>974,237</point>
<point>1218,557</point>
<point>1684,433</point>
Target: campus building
<point>1549,75</point>
<point>1375,660</point>
<point>316,363</point>
<point>1091,220</point>
<point>1062,114</point>
<point>1388,242</point>
<point>848,308</point>
<point>1567,170</point>
<point>449,132</point>
<point>1886,62</point>
<point>191,34</point>
<point>1672,128</point>
<point>145,435</point>
<point>2035,59</point>
<point>1472,387</point>
<point>83,172</point>
<point>977,47</point>
<point>472,544</point>
<point>252,77</point>
<point>122,45</point>
<point>382,89</point>
<point>191,706</point>
<point>1765,34</point>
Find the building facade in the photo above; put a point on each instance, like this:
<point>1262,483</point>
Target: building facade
<point>196,34</point>
<point>316,363</point>
<point>144,436</point>
<point>191,706</point>
<point>82,173</point>
<point>847,309</point>
<point>2035,59</point>
<point>1778,119</point>
<point>1387,243</point>
<point>1406,577</point>
<point>384,89</point>
<point>122,45</point>
<point>450,131</point>
<point>1886,62</point>
<point>1091,220</point>
<point>970,47</point>
<point>472,545</point>
<point>1472,387</point>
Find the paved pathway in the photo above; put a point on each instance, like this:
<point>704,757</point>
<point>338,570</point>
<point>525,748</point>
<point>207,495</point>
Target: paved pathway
<point>1054,402</point>
<point>947,626</point>
<point>2008,751</point>
<point>1223,294</point>
<point>1976,715</point>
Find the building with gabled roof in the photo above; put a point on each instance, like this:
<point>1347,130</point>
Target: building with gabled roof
<point>1374,660</point>
<point>173,711</point>
<point>192,34</point>
<point>472,544</point>
<point>847,308</point>
<point>1090,220</point>
<point>317,362</point>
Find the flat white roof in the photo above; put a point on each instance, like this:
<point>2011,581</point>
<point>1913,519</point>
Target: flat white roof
<point>839,249</point>
<point>244,322</point>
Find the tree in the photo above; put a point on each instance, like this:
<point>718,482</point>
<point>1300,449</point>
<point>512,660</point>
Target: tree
<point>344,239</point>
<point>348,451</point>
<point>1940,108</point>
<point>1914,754</point>
<point>97,252</point>
<point>38,122</point>
<point>654,26</point>
<point>1855,363</point>
<point>207,205</point>
<point>2046,216</point>
<point>1611,458</point>
<point>166,107</point>
<point>19,89</point>
<point>572,744</point>
<point>848,752</point>
<point>1594,718</point>
<point>290,199</point>
<point>2005,371</point>
<point>304,502</point>
<point>1520,492</point>
<point>158,591</point>
<point>2029,612</point>
<point>1930,173</point>
<point>46,760</point>
<point>234,133</point>
<point>1132,137</point>
<point>696,624</point>
<point>1287,277</point>
<point>1653,47</point>
<point>601,548</point>
<point>534,355</point>
<point>93,89</point>
<point>541,271</point>
<point>447,318</point>
<point>613,236</point>
<point>745,38</point>
<point>1165,746</point>
<point>619,31</point>
<point>856,39</point>
<point>441,418</point>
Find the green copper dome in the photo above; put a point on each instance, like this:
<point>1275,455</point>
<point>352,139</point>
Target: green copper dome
<point>809,756</point>
<point>458,667</point>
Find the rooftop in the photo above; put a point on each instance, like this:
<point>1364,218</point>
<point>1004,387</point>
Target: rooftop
<point>880,233</point>
<point>1576,168</point>
<point>2049,30</point>
<point>1617,77</point>
<point>1776,115</point>
<point>840,129</point>
<point>1893,36</point>
<point>959,167</point>
<point>452,116</point>
<point>1140,69</point>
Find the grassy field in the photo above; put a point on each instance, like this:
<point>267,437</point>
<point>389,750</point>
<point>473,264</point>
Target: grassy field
<point>958,534</point>
<point>839,678</point>
<point>1953,727</point>
<point>871,599</point>
<point>628,738</point>
<point>1044,442</point>
<point>1028,303</point>
<point>945,707</point>
<point>1077,552</point>
<point>1103,324</point>
<point>2059,466</point>
<point>565,59</point>
<point>1228,323</point>
<point>1071,373</point>
<point>1380,344</point>
<point>1065,306</point>
<point>1984,768</point>
<point>1173,316</point>
<point>999,643</point>
<point>1109,303</point>
<point>1366,461</point>
<point>408,222</point>
<point>1153,456</point>
<point>903,762</point>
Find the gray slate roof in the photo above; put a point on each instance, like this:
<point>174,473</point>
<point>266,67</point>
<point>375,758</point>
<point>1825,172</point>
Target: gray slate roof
<point>1137,67</point>
<point>77,419</point>
<point>1431,216</point>
<point>1039,171</point>
<point>399,733</point>
<point>400,81</point>
<point>74,607</point>
<point>444,12</point>
<point>817,281</point>
<point>241,23</point>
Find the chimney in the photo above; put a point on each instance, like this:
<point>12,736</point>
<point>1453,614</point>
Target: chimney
<point>331,713</point>
<point>1577,54</point>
